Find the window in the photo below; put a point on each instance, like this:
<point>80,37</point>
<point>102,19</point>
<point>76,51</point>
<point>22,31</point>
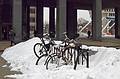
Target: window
<point>32,19</point>
<point>32,10</point>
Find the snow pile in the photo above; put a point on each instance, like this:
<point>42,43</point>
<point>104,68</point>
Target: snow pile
<point>20,52</point>
<point>106,64</point>
<point>103,65</point>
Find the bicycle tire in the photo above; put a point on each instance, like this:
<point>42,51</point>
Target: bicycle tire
<point>48,63</point>
<point>40,49</point>
<point>70,52</point>
<point>49,57</point>
<point>59,56</point>
<point>44,55</point>
<point>56,50</point>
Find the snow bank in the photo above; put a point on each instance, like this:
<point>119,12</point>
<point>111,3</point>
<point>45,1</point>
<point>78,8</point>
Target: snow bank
<point>103,65</point>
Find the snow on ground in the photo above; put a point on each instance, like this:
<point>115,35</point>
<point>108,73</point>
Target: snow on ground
<point>103,65</point>
<point>108,35</point>
<point>82,34</point>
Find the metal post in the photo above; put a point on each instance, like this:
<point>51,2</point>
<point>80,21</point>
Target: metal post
<point>87,60</point>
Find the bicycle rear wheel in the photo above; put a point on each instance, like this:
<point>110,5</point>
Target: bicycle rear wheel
<point>39,49</point>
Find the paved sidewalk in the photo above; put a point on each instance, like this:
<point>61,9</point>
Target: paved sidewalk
<point>108,42</point>
<point>4,45</point>
<point>4,66</point>
<point>5,69</point>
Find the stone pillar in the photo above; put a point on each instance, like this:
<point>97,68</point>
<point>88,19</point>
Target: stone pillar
<point>0,22</point>
<point>71,21</point>
<point>17,20</point>
<point>28,22</point>
<point>117,23</point>
<point>39,19</point>
<point>25,21</point>
<point>97,20</point>
<point>20,26</point>
<point>52,22</point>
<point>61,19</point>
<point>0,32</point>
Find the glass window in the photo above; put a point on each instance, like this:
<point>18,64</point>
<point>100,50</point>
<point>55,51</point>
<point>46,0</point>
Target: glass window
<point>32,19</point>
<point>32,10</point>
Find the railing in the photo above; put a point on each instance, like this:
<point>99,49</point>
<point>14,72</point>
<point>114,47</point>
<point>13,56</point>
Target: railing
<point>106,26</point>
<point>111,26</point>
<point>88,24</point>
<point>85,26</point>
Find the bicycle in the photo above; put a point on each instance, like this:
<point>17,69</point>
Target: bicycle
<point>65,54</point>
<point>43,48</point>
<point>61,54</point>
<point>70,55</point>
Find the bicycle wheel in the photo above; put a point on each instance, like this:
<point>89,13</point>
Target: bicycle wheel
<point>54,62</point>
<point>55,51</point>
<point>49,56</point>
<point>70,54</point>
<point>42,58</point>
<point>39,49</point>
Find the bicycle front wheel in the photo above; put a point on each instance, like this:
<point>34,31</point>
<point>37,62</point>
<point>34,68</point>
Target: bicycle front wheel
<point>54,62</point>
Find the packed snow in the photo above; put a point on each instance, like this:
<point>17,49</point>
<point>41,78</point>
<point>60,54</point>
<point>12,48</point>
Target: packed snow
<point>105,64</point>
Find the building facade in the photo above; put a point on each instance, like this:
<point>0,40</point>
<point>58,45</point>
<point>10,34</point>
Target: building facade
<point>66,17</point>
<point>5,18</point>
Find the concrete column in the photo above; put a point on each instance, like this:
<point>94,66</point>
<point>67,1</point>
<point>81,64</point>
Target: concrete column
<point>117,23</point>
<point>61,19</point>
<point>20,20</point>
<point>28,22</point>
<point>25,21</point>
<point>39,19</point>
<point>52,22</point>
<point>97,20</point>
<point>71,21</point>
<point>0,32</point>
<point>17,19</point>
<point>0,22</point>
